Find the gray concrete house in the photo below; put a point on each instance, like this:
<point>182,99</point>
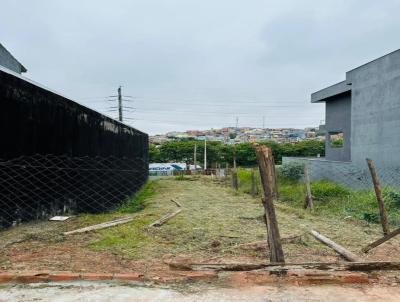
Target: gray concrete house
<point>7,60</point>
<point>362,121</point>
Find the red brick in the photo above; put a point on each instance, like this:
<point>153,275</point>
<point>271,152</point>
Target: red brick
<point>128,277</point>
<point>6,277</point>
<point>64,276</point>
<point>32,277</point>
<point>96,277</point>
<point>355,278</point>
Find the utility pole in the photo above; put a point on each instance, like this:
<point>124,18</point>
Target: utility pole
<point>195,157</point>
<point>119,104</point>
<point>205,154</point>
<point>237,124</point>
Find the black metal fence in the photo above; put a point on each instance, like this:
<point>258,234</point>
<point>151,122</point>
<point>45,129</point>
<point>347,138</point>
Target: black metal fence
<point>39,186</point>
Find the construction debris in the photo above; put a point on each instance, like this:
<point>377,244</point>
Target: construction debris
<point>100,226</point>
<point>165,218</point>
<point>59,218</point>
<point>338,248</point>
<point>177,203</point>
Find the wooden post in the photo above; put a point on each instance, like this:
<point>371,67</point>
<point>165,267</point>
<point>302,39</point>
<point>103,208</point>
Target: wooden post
<point>235,182</point>
<point>267,172</point>
<point>379,198</point>
<point>226,174</point>
<point>254,189</point>
<point>381,240</point>
<point>308,202</point>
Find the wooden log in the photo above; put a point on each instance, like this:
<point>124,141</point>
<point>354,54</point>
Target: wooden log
<point>267,172</point>
<point>338,248</point>
<point>165,218</point>
<point>381,240</point>
<point>308,203</point>
<point>177,203</point>
<point>100,226</point>
<point>379,198</point>
<point>323,266</point>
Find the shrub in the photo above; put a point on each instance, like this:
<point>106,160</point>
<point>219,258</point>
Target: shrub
<point>291,170</point>
<point>392,197</point>
<point>324,189</point>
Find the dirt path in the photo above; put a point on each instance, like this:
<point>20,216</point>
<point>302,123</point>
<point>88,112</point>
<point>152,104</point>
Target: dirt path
<point>214,221</point>
<point>106,293</point>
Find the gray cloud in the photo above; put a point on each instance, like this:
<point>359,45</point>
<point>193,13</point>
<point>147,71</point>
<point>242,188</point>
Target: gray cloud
<point>199,64</point>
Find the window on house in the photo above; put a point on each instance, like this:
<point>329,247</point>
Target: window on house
<point>336,139</point>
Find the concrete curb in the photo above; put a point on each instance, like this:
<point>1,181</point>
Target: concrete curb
<point>298,277</point>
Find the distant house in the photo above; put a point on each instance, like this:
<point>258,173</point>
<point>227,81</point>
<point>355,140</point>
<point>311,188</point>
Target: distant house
<point>362,119</point>
<point>7,60</point>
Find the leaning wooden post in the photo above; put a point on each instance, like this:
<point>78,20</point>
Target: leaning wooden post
<point>308,202</point>
<point>379,198</point>
<point>267,172</point>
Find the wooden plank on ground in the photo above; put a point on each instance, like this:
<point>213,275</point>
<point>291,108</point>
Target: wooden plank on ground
<point>324,266</point>
<point>338,248</point>
<point>165,218</point>
<point>100,226</point>
<point>381,240</point>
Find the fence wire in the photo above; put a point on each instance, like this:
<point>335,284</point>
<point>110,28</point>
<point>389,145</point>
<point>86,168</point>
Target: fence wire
<point>39,186</point>
<point>349,174</point>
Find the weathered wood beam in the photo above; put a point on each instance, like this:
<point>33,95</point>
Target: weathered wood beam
<point>267,172</point>
<point>381,240</point>
<point>100,226</point>
<point>165,218</point>
<point>338,248</point>
<point>325,266</point>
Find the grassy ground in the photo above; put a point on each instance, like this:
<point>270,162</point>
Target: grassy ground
<point>214,221</point>
<point>332,200</point>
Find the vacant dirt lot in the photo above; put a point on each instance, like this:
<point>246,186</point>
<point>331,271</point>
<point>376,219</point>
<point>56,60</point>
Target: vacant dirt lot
<point>213,223</point>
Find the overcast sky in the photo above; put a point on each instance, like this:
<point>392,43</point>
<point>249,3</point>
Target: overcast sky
<point>199,64</point>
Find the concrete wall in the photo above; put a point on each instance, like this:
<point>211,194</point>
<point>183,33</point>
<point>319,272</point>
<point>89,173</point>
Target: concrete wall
<point>8,61</point>
<point>376,111</point>
<point>338,119</point>
<point>346,173</point>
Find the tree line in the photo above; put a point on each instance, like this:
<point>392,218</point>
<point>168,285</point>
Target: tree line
<point>217,152</point>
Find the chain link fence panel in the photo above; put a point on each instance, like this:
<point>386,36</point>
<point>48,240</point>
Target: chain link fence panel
<point>40,186</point>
